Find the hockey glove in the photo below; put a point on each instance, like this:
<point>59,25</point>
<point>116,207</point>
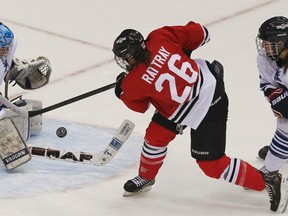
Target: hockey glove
<point>279,102</point>
<point>30,74</point>
<point>217,70</point>
<point>118,91</point>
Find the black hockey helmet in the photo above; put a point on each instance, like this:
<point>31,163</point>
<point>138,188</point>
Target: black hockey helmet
<point>129,48</point>
<point>272,37</point>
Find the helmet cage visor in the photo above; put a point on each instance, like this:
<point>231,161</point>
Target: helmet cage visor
<point>124,63</point>
<point>130,56</point>
<point>4,51</point>
<point>268,49</point>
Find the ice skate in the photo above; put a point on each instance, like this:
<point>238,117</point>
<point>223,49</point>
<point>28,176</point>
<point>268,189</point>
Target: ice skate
<point>263,152</point>
<point>276,186</point>
<point>137,185</point>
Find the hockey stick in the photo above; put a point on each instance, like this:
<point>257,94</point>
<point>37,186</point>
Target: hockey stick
<point>71,100</point>
<point>95,159</point>
<point>16,109</point>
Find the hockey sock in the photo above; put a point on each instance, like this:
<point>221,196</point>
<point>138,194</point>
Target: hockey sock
<point>154,150</point>
<point>235,171</point>
<point>151,160</point>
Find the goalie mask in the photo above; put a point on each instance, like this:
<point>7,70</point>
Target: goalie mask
<point>272,37</point>
<point>6,40</point>
<point>129,49</point>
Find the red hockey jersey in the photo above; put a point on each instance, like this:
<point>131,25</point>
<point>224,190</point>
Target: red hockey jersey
<point>180,88</point>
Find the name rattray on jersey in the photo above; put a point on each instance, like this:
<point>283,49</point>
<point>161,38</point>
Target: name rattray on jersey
<point>181,89</point>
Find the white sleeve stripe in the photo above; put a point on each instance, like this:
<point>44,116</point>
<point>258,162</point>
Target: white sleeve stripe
<point>206,36</point>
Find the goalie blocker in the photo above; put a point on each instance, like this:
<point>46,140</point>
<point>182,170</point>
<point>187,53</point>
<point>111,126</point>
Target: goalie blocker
<point>13,149</point>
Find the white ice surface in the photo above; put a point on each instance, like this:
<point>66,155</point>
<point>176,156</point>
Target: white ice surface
<point>77,37</point>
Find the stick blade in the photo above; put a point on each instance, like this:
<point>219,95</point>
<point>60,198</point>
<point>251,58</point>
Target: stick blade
<point>119,138</point>
<point>95,159</point>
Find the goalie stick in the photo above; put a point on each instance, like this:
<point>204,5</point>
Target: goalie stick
<point>95,159</point>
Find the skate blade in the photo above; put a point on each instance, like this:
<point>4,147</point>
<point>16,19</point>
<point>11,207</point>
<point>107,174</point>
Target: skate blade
<point>143,190</point>
<point>284,195</point>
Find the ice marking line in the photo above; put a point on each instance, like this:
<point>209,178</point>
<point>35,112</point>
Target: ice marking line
<point>54,34</point>
<point>255,7</point>
<point>84,70</point>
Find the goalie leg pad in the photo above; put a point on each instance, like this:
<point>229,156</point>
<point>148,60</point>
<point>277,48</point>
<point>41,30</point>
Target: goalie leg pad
<point>26,126</point>
<point>21,122</point>
<point>36,121</point>
<point>13,149</point>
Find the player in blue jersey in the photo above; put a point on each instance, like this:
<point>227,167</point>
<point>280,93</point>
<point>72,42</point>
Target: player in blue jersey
<point>272,63</point>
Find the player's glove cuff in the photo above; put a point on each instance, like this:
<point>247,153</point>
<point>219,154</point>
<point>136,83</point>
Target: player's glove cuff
<point>118,90</point>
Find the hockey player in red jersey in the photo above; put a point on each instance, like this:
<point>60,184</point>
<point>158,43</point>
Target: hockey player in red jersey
<point>186,93</point>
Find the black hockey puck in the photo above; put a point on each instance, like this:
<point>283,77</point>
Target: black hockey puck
<point>263,152</point>
<point>61,132</point>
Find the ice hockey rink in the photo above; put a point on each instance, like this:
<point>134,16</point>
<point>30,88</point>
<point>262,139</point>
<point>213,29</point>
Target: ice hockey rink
<point>77,36</point>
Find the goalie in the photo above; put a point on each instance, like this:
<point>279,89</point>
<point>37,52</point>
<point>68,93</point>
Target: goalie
<point>15,124</point>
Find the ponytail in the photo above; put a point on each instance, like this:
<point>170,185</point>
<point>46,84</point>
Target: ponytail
<point>285,63</point>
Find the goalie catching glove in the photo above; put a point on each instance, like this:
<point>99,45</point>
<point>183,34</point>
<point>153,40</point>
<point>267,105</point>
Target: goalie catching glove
<point>30,74</point>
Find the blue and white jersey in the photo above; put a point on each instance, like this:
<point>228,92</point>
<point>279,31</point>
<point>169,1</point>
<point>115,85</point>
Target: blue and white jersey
<point>271,76</point>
